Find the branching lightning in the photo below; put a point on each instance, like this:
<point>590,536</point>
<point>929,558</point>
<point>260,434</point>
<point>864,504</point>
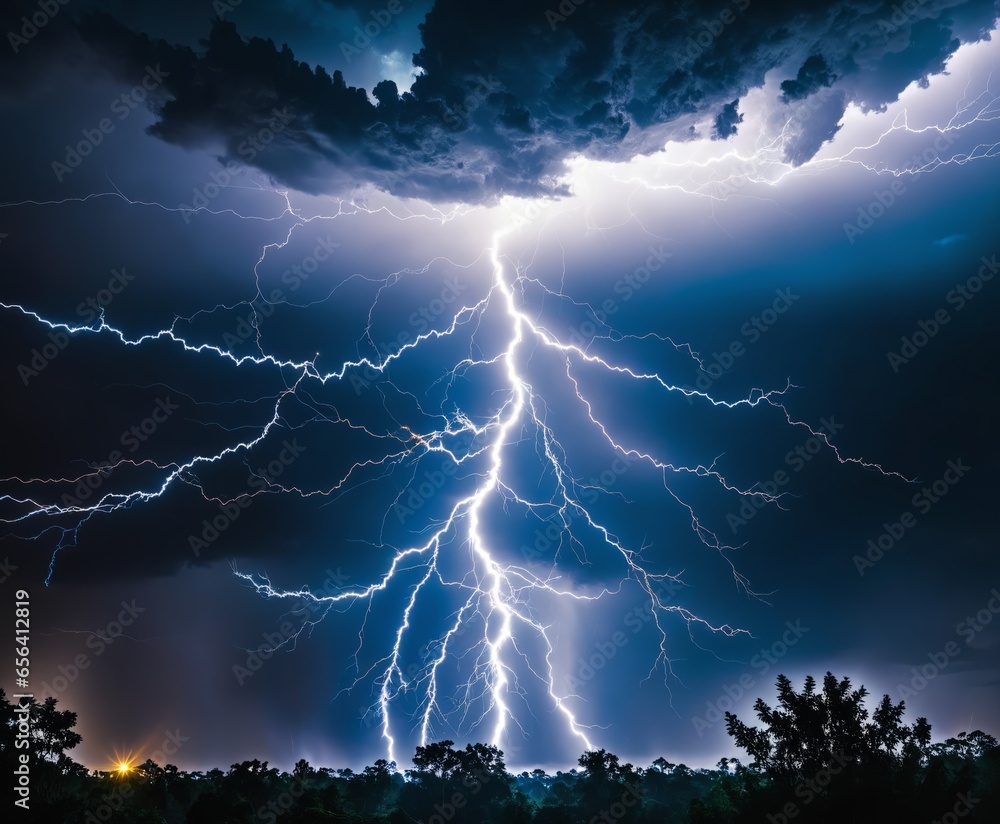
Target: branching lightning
<point>502,598</point>
<point>726,174</point>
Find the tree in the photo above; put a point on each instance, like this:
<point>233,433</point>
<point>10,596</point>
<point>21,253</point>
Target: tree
<point>661,765</point>
<point>438,758</point>
<point>482,764</point>
<point>600,764</point>
<point>972,745</point>
<point>55,776</point>
<point>484,777</point>
<point>807,729</point>
<point>51,731</point>
<point>822,751</point>
<point>302,771</point>
<point>369,790</point>
<point>55,729</point>
<point>606,781</point>
<point>476,776</point>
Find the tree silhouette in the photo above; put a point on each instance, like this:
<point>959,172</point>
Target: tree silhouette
<point>439,759</point>
<point>824,754</point>
<point>51,732</point>
<point>805,729</point>
<point>459,785</point>
<point>818,756</point>
<point>606,782</point>
<point>55,777</point>
<point>369,791</point>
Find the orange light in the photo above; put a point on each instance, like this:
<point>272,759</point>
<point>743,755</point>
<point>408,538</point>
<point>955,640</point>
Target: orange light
<point>123,764</point>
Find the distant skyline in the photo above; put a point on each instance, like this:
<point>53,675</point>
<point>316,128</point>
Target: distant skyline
<point>553,376</point>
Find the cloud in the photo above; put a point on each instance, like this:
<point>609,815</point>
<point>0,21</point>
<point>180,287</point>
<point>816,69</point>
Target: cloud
<point>508,93</point>
<point>728,120</point>
<point>813,76</point>
<point>805,135</point>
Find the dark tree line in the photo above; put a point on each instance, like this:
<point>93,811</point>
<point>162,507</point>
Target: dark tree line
<point>818,755</point>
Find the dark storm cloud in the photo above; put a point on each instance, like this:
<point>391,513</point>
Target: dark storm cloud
<point>509,91</point>
<point>728,121</point>
<point>813,76</point>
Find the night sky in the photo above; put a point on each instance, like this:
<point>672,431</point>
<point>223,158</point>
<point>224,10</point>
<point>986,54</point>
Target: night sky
<point>448,348</point>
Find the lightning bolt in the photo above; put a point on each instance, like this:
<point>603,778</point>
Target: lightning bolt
<point>493,624</point>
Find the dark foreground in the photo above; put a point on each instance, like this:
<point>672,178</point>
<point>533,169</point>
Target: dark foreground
<point>818,756</point>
